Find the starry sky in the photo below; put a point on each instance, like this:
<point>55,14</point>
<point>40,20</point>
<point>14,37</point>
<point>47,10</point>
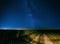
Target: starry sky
<point>29,13</point>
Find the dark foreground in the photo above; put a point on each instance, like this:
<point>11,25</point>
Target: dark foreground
<point>29,36</point>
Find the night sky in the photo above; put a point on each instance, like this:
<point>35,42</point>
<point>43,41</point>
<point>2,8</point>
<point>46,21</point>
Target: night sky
<point>29,13</point>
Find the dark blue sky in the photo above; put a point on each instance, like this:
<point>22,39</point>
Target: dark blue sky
<point>29,13</point>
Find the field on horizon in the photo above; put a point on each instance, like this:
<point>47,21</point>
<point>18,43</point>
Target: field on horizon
<point>30,36</point>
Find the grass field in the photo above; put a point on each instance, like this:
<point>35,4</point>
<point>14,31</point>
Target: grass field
<point>30,36</point>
